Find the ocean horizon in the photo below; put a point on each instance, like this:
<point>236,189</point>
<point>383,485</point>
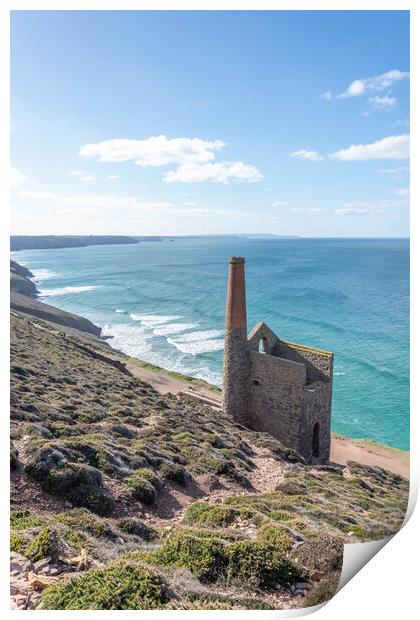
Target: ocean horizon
<point>164,302</point>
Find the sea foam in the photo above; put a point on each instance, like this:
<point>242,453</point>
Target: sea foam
<point>43,274</point>
<point>66,290</point>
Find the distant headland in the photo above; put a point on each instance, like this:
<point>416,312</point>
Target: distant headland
<point>46,242</point>
<point>51,242</point>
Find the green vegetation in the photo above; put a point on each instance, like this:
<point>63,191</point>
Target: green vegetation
<point>204,557</point>
<point>42,546</point>
<point>276,536</point>
<point>255,563</point>
<point>205,514</point>
<point>122,585</point>
<point>144,483</point>
<point>90,438</point>
<point>260,565</point>
<point>24,519</point>
<point>17,542</point>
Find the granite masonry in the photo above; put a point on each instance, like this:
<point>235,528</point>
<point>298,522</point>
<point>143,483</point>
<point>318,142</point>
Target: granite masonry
<point>275,386</point>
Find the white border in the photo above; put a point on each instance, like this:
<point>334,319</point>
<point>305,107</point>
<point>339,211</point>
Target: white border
<point>387,585</point>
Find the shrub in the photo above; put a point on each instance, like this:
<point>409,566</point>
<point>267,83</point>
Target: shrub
<point>143,490</point>
<point>24,520</point>
<point>124,585</point>
<point>175,473</point>
<point>217,516</point>
<point>135,527</point>
<point>82,519</point>
<point>81,484</point>
<point>260,565</point>
<point>325,591</point>
<point>277,536</point>
<point>204,557</point>
<point>323,553</point>
<point>17,542</point>
<point>45,544</point>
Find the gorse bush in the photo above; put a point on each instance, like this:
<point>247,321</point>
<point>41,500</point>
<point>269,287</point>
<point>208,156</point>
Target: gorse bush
<point>24,519</point>
<point>204,557</point>
<point>260,565</point>
<point>123,585</point>
<point>46,544</point>
<point>143,490</point>
<point>216,516</point>
<point>254,563</point>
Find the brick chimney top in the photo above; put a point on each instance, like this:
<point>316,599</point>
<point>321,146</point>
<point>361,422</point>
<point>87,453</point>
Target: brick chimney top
<point>235,302</point>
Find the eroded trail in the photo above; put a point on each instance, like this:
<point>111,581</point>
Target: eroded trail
<point>173,501</point>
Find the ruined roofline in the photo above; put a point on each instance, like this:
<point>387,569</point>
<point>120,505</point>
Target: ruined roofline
<point>293,345</point>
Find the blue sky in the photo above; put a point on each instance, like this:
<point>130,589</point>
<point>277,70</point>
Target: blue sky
<point>210,122</point>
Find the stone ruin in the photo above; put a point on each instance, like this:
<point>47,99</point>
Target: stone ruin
<point>274,386</point>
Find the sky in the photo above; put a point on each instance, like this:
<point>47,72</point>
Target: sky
<point>201,122</point>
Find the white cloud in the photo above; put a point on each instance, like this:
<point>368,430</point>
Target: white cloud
<point>403,191</point>
<point>306,210</point>
<point>375,83</point>
<point>394,173</point>
<point>16,177</point>
<point>220,172</point>
<point>378,103</point>
<point>366,208</point>
<point>154,151</point>
<point>194,158</point>
<point>327,95</point>
<point>279,203</point>
<point>309,155</point>
<point>392,147</point>
<point>113,176</point>
<point>81,174</point>
<point>92,201</point>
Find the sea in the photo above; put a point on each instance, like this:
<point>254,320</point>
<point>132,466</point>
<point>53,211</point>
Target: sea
<point>164,302</point>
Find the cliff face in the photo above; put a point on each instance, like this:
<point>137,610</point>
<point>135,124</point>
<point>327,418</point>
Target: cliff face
<point>20,281</point>
<point>22,299</point>
<point>179,505</point>
<point>46,242</point>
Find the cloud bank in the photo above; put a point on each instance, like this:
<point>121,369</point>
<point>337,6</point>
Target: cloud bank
<point>392,147</point>
<point>194,158</point>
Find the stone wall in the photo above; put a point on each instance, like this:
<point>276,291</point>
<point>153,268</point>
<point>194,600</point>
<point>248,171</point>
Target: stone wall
<point>276,397</point>
<point>318,363</point>
<point>316,410</point>
<point>235,400</point>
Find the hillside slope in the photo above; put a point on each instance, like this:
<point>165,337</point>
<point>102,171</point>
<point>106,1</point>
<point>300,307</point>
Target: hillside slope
<point>182,507</point>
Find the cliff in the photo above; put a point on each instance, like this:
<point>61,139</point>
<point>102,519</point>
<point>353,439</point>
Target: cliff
<point>113,482</point>
<point>22,299</point>
<point>46,242</point>
<point>20,281</point>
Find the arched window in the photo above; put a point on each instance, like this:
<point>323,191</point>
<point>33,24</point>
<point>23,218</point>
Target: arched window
<point>262,345</point>
<point>315,440</point>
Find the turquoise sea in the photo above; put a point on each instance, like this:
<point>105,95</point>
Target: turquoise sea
<point>164,302</point>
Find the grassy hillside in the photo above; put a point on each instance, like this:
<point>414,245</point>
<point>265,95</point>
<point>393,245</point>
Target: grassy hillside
<point>150,502</point>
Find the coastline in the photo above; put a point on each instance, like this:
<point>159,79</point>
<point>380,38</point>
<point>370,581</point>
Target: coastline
<point>343,448</point>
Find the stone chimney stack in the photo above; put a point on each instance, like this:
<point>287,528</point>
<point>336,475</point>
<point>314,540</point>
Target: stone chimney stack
<point>236,370</point>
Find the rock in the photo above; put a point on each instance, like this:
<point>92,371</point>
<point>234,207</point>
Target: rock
<point>54,570</point>
<point>37,581</point>
<point>300,585</point>
<point>41,564</point>
<point>315,575</point>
